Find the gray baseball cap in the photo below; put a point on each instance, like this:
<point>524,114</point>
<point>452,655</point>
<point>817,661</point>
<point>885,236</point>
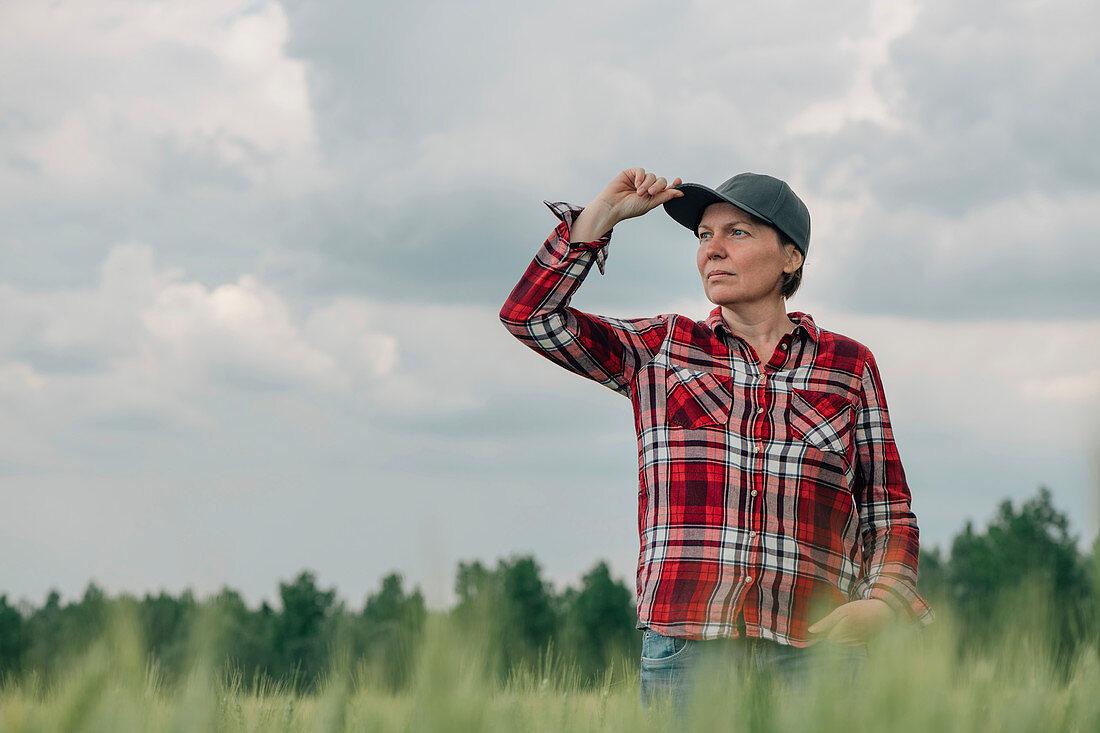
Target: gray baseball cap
<point>762,196</point>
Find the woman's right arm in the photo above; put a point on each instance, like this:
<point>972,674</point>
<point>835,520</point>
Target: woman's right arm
<point>537,312</point>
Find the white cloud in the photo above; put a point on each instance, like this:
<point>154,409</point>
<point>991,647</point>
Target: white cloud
<point>243,326</point>
<point>890,19</point>
<point>1072,389</point>
<point>113,94</point>
<point>146,344</point>
<point>343,329</point>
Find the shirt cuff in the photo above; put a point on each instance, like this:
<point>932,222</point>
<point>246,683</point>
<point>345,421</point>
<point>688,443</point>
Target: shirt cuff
<point>907,603</point>
<point>567,213</point>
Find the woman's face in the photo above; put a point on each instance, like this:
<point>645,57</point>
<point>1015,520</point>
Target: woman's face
<point>739,260</point>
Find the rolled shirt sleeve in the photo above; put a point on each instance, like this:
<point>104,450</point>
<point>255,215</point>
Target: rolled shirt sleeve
<point>891,540</point>
<point>537,312</point>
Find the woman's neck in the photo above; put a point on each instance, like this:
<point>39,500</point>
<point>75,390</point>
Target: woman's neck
<point>758,322</point>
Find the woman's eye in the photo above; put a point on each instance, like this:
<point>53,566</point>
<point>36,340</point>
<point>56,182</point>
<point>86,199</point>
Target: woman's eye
<point>704,235</point>
<point>738,231</point>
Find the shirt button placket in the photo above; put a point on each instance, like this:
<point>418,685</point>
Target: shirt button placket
<point>763,397</point>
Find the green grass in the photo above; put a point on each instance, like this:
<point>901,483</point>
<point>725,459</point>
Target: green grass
<point>931,681</point>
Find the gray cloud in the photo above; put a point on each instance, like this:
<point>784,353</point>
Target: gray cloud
<point>367,183</point>
<point>993,103</point>
<point>969,122</point>
<point>469,118</point>
<point>1031,257</point>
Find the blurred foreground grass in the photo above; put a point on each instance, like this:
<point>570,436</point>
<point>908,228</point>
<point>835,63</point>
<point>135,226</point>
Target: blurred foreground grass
<point>927,681</point>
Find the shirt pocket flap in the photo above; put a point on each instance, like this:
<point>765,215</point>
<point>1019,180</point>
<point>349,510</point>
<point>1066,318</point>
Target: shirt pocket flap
<point>822,419</point>
<point>697,399</point>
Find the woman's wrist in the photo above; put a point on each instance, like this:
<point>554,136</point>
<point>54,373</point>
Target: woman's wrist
<point>893,613</point>
<point>593,222</point>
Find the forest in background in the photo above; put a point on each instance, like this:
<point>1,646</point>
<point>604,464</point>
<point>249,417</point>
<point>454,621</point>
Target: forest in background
<point>588,626</point>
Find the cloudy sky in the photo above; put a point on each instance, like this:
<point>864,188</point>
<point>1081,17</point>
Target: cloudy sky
<point>253,254</point>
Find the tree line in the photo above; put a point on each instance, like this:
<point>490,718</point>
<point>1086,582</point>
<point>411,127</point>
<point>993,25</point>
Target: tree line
<point>520,613</point>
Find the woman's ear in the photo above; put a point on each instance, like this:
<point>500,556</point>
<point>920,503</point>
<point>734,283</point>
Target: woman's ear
<point>794,258</point>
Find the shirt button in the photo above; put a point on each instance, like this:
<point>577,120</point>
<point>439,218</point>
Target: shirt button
<point>759,410</point>
<point>759,449</point>
<point>748,579</point>
<point>752,533</point>
<point>783,346</point>
<point>753,492</point>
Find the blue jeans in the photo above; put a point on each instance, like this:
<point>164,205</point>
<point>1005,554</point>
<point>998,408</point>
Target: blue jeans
<point>671,666</point>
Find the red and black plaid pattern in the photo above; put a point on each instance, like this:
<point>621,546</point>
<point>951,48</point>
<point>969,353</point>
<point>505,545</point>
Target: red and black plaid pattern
<point>774,492</point>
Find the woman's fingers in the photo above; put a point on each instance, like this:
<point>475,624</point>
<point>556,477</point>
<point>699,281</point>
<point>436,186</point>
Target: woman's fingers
<point>635,191</point>
<point>647,184</point>
<point>844,632</point>
<point>829,621</point>
<point>668,194</point>
<point>651,185</point>
<point>660,191</point>
<point>662,184</point>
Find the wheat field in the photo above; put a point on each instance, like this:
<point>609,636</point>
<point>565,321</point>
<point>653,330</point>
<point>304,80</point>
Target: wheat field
<point>927,681</point>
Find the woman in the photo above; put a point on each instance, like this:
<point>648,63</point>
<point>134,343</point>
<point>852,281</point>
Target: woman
<point>772,506</point>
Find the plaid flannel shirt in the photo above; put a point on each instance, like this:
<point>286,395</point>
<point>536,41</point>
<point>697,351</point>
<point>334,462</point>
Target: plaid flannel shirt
<point>768,493</point>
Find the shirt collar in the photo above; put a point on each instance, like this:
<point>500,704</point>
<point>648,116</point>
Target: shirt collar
<point>802,321</point>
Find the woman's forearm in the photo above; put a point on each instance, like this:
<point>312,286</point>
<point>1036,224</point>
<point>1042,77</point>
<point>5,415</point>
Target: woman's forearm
<point>595,221</point>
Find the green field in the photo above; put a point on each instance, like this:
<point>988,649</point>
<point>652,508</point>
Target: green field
<point>927,681</point>
<point>1015,647</point>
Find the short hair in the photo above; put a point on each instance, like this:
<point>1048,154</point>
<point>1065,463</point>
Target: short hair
<point>791,280</point>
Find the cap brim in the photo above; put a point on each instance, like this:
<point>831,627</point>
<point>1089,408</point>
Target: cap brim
<point>688,209</point>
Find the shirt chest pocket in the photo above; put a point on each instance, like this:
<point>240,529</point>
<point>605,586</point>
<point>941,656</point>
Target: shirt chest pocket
<point>697,399</point>
<point>822,419</point>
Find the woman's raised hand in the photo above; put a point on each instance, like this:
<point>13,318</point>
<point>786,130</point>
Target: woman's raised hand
<point>635,192</point>
<point>631,193</point>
